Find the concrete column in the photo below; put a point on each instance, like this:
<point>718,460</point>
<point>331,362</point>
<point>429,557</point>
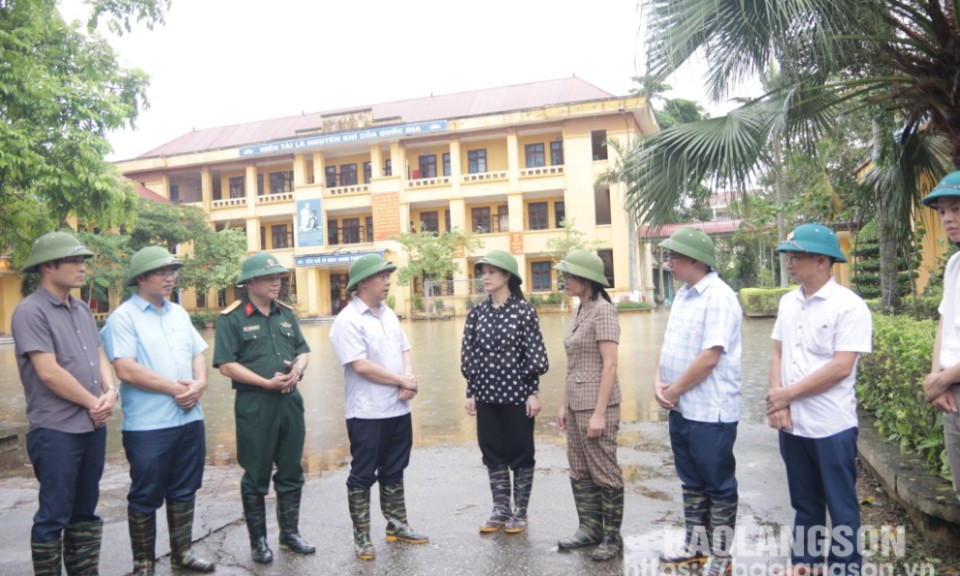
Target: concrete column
<point>376,162</point>
<point>299,170</point>
<point>456,169</point>
<point>253,235</point>
<point>206,189</point>
<point>513,159</point>
<point>250,188</point>
<point>318,168</point>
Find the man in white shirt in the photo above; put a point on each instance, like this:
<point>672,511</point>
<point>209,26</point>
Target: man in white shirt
<point>821,330</point>
<point>941,388</point>
<point>378,386</point>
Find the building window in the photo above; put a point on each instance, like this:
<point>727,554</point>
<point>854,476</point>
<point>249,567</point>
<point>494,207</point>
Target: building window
<point>348,174</point>
<point>502,223</point>
<point>236,187</point>
<point>535,155</point>
<point>278,234</point>
<point>174,193</point>
<point>367,172</point>
<point>369,228</point>
<point>598,139</point>
<point>201,300</point>
<point>446,220</point>
<point>331,176</point>
<point>537,215</point>
<point>428,166</point>
<point>556,153</point>
<point>388,167</point>
<point>333,236</point>
<point>559,216</point>
<point>480,220</point>
<point>351,230</point>
<point>607,256</point>
<point>281,182</point>
<point>263,237</point>
<point>259,184</point>
<point>601,203</point>
<point>477,161</point>
<point>429,222</point>
<point>541,276</point>
<point>446,163</point>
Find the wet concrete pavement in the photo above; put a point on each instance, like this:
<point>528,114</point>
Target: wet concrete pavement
<point>447,497</point>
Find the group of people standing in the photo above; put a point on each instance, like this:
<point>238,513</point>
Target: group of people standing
<point>158,356</point>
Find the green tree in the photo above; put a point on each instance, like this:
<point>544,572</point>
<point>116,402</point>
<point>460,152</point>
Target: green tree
<point>61,91</point>
<point>833,57</point>
<point>559,246</point>
<point>430,255</point>
<point>167,225</point>
<point>216,260</point>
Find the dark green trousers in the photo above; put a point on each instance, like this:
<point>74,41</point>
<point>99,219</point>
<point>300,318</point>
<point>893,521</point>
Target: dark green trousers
<point>270,430</point>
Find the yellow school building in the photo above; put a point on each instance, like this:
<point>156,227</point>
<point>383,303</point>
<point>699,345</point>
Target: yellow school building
<point>506,165</point>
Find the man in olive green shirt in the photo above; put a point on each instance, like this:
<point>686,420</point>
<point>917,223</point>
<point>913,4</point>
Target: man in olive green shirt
<point>259,346</point>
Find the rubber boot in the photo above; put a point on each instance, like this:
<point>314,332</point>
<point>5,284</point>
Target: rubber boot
<point>46,558</point>
<point>723,522</point>
<point>500,489</point>
<point>612,545</point>
<point>288,517</point>
<point>358,500</point>
<point>696,518</point>
<point>522,485</point>
<point>586,496</point>
<point>143,541</point>
<point>81,548</point>
<point>255,513</point>
<point>394,508</point>
<point>180,524</point>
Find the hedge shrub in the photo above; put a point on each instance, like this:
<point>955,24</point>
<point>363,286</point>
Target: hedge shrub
<point>890,388</point>
<point>762,301</point>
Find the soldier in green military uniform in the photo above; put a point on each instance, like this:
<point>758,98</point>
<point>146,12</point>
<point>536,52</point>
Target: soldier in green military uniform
<point>259,346</point>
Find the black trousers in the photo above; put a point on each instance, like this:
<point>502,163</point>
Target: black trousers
<point>505,435</point>
<point>380,449</point>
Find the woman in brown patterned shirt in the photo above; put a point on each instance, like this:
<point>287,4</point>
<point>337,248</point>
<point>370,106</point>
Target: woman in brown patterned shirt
<point>590,412</point>
<point>502,358</point>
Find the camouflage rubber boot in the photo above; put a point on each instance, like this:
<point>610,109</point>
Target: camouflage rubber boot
<point>696,518</point>
<point>586,496</point>
<point>394,508</point>
<point>612,545</point>
<point>288,517</point>
<point>500,489</point>
<point>180,524</point>
<point>255,513</point>
<point>143,541</point>
<point>522,485</point>
<point>359,501</point>
<point>81,548</point>
<point>723,522</point>
<point>46,558</point>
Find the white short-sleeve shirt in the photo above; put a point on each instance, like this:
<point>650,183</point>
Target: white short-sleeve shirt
<point>950,336</point>
<point>811,330</point>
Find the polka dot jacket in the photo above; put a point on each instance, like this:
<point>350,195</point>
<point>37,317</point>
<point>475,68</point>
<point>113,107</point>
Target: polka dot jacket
<point>502,355</point>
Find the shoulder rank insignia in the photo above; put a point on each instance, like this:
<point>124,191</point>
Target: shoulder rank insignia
<point>230,308</point>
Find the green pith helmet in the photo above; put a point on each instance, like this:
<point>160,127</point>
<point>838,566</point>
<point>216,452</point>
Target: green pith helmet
<point>262,264</point>
<point>694,244</point>
<point>54,246</point>
<point>583,264</point>
<point>502,260</point>
<point>949,186</point>
<point>814,239</point>
<point>149,259</point>
<point>367,266</point>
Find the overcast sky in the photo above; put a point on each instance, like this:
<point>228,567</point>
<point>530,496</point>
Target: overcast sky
<point>220,62</point>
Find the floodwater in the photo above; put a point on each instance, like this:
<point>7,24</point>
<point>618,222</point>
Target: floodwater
<point>438,414</point>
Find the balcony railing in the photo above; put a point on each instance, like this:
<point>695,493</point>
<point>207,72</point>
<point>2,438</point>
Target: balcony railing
<point>485,176</point>
<point>229,202</point>
<point>542,171</point>
<point>348,190</point>
<point>275,197</point>
<point>425,182</point>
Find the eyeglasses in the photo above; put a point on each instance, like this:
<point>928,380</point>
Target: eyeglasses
<point>165,272</point>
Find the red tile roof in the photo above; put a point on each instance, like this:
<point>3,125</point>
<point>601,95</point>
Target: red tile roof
<point>711,228</point>
<point>445,106</point>
<point>149,194</point>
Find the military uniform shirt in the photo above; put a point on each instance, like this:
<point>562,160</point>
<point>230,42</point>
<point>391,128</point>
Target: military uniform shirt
<point>263,344</point>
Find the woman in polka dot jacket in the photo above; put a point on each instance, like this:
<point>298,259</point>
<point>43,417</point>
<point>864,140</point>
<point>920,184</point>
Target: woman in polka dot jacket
<point>502,358</point>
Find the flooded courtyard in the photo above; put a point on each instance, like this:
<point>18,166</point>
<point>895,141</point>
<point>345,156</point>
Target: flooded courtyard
<point>438,415</point>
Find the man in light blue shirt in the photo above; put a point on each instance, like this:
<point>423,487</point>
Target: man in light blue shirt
<point>158,356</point>
<point>379,384</point>
<point>698,381</point>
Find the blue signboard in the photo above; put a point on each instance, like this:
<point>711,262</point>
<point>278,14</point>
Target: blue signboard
<point>333,259</point>
<point>321,140</point>
<point>309,222</point>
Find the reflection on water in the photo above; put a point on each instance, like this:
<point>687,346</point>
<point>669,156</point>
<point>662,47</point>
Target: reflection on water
<point>438,414</point>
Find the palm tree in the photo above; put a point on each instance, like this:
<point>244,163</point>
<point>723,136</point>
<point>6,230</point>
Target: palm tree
<point>833,56</point>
